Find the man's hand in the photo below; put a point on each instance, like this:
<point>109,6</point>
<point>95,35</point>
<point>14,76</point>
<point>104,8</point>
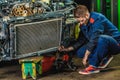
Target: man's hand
<point>85,61</point>
<point>85,58</point>
<point>62,48</point>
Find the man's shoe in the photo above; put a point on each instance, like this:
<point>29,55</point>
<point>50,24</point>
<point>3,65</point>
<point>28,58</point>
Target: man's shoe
<point>104,63</point>
<point>89,70</point>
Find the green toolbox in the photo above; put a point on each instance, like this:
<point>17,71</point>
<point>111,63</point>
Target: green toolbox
<point>33,65</point>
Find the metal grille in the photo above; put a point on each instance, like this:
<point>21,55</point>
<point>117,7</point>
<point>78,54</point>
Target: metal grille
<point>37,36</point>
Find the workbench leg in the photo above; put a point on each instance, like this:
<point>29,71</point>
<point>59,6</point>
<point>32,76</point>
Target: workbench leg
<point>23,72</point>
<point>34,74</point>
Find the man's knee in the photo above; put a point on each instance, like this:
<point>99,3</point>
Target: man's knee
<point>104,38</point>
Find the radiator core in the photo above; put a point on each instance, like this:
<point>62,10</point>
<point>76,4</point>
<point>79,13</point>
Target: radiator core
<point>37,36</point>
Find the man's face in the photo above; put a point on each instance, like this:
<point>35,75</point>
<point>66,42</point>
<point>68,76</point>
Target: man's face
<point>82,19</point>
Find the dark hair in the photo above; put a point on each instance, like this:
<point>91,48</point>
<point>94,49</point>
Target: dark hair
<point>80,10</point>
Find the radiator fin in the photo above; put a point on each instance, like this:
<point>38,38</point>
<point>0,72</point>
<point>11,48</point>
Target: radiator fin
<point>37,36</point>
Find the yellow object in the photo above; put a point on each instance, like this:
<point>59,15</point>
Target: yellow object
<point>30,66</point>
<point>33,0</point>
<point>46,1</point>
<point>77,30</point>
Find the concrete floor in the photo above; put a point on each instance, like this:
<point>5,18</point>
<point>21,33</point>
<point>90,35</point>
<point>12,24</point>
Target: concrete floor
<point>12,71</point>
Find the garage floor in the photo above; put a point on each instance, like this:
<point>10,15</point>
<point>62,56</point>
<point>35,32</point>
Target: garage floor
<point>12,71</point>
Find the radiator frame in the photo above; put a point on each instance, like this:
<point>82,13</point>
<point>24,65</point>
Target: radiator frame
<point>36,53</point>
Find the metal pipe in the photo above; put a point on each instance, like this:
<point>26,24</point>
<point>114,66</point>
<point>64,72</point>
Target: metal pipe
<point>119,15</point>
<point>98,5</point>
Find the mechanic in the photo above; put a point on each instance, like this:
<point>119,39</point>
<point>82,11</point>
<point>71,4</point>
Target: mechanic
<point>98,40</point>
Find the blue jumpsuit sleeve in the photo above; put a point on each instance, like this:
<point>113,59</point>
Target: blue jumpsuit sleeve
<point>97,31</point>
<point>80,41</point>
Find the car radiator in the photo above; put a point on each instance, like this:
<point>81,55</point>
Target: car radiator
<point>40,37</point>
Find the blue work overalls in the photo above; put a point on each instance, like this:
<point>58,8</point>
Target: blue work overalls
<point>100,37</point>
